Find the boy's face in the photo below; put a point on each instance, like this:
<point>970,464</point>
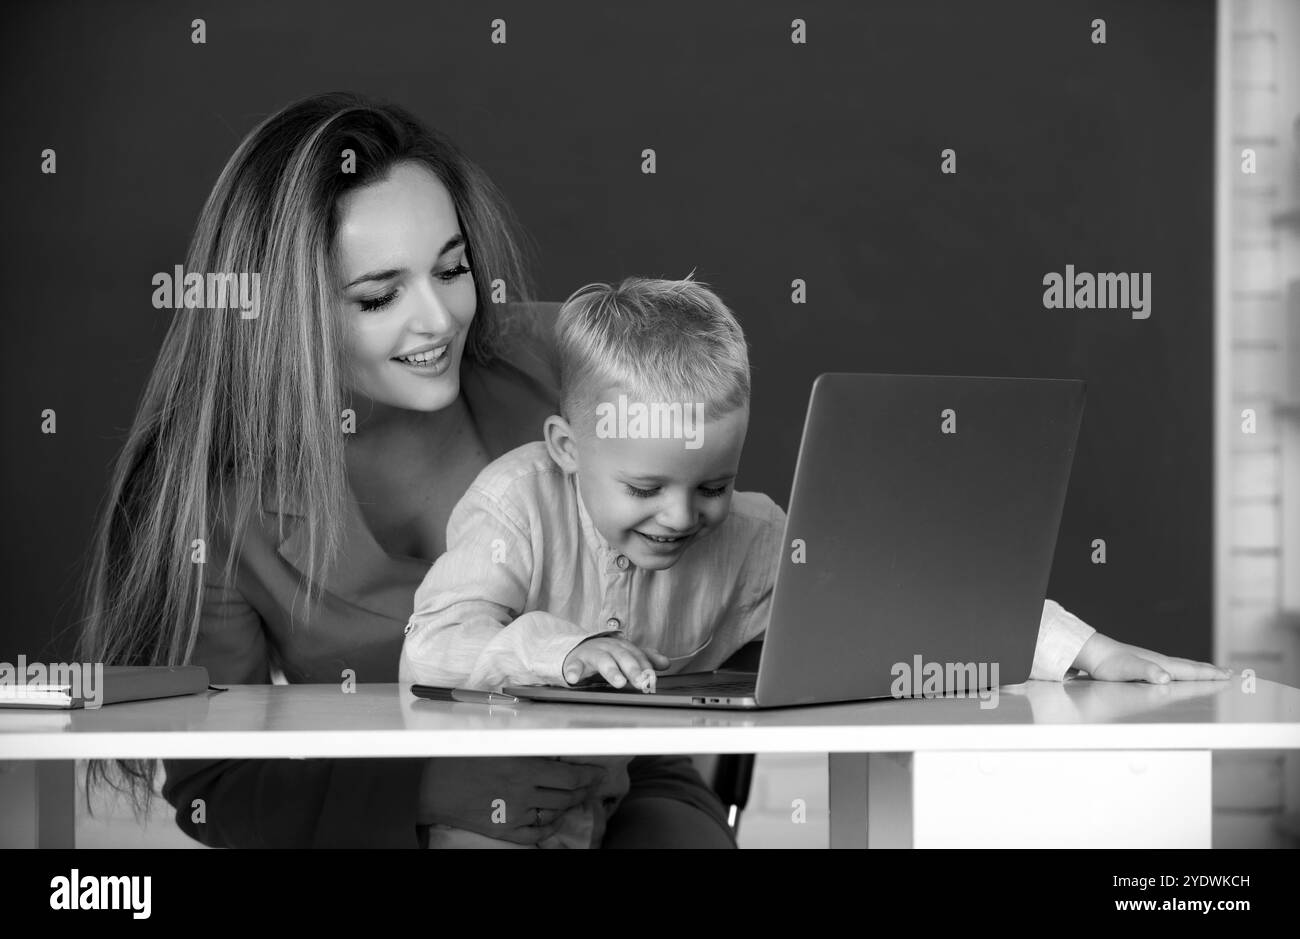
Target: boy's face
<point>652,498</point>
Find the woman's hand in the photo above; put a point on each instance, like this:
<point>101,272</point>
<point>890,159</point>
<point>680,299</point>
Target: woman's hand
<point>1107,660</point>
<point>535,792</point>
<point>616,660</point>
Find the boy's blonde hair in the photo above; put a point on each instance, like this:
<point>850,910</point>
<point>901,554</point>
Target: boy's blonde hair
<point>657,340</point>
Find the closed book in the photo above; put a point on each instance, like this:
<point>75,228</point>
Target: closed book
<point>117,683</point>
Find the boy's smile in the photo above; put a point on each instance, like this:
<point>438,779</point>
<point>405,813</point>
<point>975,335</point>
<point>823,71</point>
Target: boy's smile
<point>664,549</point>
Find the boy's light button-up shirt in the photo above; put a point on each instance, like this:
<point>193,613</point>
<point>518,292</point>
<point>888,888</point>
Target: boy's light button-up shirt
<point>526,577</point>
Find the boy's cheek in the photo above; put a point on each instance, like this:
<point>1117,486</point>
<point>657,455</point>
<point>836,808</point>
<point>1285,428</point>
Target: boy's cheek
<point>616,516</point>
<point>718,515</point>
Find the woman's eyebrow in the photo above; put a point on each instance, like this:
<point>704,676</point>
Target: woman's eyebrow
<point>378,275</point>
<point>454,242</point>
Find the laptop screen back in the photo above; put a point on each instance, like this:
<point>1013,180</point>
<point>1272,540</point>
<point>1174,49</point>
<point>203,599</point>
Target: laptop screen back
<point>921,530</point>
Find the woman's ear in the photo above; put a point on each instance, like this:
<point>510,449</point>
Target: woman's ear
<point>561,443</point>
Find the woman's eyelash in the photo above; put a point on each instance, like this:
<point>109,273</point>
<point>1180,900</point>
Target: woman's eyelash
<point>641,493</point>
<point>378,303</point>
<point>454,272</point>
<point>713,493</point>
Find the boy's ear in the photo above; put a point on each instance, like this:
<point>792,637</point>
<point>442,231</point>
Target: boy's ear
<point>561,443</point>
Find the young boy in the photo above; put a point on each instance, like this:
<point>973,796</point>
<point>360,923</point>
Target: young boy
<point>618,546</point>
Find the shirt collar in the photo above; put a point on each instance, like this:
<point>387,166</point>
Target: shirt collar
<point>606,556</point>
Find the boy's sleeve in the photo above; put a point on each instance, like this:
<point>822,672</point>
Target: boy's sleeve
<point>761,567</point>
<point>1061,635</point>
<point>467,630</point>
<point>758,576</point>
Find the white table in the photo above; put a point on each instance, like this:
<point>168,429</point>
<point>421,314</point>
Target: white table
<point>1075,763</point>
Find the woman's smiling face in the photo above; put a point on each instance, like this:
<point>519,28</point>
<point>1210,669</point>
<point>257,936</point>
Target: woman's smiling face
<point>408,292</point>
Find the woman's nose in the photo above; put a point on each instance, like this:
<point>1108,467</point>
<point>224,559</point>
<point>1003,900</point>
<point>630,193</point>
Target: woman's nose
<point>428,313</point>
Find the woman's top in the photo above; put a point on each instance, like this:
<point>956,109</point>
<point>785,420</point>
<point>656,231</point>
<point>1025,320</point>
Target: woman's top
<point>247,629</point>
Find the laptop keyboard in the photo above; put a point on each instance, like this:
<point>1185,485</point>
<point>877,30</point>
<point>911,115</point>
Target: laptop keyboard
<point>683,684</point>
<point>729,687</point>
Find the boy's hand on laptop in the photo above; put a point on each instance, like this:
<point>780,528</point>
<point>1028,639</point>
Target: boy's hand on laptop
<point>1107,660</point>
<point>616,660</point>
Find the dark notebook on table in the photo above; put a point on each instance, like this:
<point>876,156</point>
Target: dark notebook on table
<point>119,683</point>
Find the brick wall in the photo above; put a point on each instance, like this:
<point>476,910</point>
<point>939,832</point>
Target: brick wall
<point>1258,309</point>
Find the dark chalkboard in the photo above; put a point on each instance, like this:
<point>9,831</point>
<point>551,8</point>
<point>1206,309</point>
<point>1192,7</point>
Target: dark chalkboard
<point>776,160</point>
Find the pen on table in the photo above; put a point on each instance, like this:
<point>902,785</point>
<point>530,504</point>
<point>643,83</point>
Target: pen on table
<point>464,695</point>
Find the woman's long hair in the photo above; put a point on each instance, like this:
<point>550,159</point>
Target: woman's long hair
<point>237,409</point>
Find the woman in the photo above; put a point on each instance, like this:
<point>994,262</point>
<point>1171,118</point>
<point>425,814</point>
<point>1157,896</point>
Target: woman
<point>287,479</point>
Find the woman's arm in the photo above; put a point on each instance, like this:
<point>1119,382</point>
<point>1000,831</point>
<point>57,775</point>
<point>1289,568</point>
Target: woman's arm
<point>296,803</point>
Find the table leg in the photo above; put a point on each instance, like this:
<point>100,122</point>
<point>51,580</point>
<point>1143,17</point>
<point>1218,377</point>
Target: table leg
<point>870,800</point>
<point>56,803</point>
<point>38,803</point>
<point>848,799</point>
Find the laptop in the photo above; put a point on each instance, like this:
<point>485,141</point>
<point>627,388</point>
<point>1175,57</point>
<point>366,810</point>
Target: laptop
<point>923,519</point>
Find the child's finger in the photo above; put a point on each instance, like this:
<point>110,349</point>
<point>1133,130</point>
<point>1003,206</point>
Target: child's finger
<point>640,656</point>
<point>1187,670</point>
<point>1128,667</point>
<point>1155,674</point>
<point>630,660</point>
<point>1181,669</point>
<point>657,658</point>
<point>610,669</point>
<point>576,669</point>
<point>1138,669</point>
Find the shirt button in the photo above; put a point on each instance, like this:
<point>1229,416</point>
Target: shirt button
<point>613,623</point>
<point>622,562</point>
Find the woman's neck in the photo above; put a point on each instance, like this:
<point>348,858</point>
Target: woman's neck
<point>381,426</point>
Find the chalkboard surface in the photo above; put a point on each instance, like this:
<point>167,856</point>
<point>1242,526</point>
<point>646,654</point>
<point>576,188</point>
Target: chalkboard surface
<point>776,160</point>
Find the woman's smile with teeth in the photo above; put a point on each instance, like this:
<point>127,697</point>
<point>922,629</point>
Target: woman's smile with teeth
<point>426,357</point>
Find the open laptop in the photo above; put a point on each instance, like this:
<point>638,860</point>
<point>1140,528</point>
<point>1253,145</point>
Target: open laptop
<point>927,507</point>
